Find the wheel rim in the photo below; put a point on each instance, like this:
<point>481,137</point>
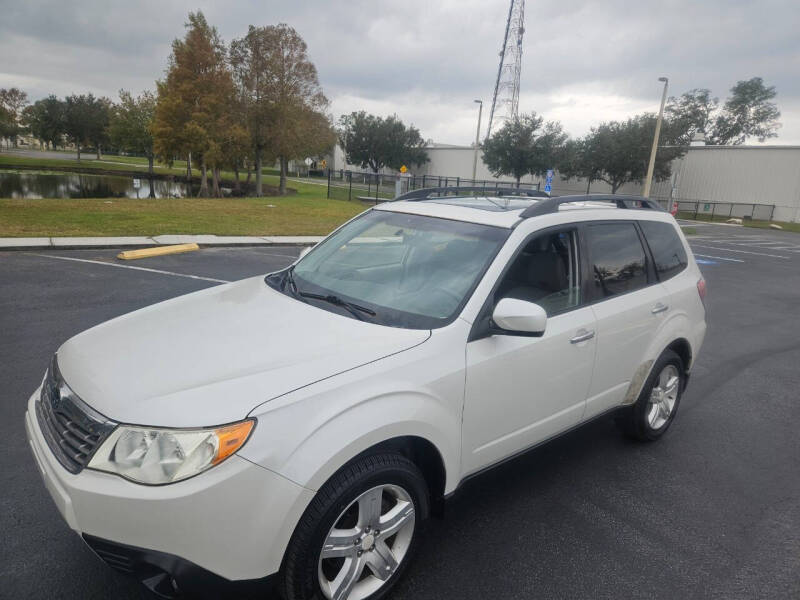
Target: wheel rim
<point>367,543</point>
<point>663,397</point>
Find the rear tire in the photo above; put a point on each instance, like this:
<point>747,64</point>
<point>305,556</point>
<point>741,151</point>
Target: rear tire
<point>655,409</point>
<point>338,549</point>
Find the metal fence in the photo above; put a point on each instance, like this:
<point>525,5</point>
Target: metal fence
<point>377,187</point>
<point>705,210</point>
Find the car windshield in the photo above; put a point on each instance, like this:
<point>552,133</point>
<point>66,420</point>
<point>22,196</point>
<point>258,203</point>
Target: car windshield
<point>395,269</point>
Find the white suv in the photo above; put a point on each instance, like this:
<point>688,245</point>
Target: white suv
<point>294,430</point>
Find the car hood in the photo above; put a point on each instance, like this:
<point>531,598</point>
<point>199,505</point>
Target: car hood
<point>210,357</point>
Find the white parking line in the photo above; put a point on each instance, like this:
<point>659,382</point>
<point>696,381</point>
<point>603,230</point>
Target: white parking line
<point>759,243</point>
<point>158,271</point>
<point>742,251</point>
<point>720,258</point>
<point>754,244</point>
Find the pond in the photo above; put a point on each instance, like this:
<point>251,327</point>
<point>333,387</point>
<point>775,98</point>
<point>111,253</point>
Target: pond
<point>37,184</point>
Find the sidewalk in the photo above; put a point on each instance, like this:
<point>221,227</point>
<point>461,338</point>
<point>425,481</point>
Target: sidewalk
<point>76,243</point>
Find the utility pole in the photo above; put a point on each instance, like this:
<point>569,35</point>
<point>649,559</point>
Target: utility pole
<point>477,141</point>
<point>649,179</point>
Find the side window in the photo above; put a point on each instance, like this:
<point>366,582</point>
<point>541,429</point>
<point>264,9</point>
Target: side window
<point>546,272</point>
<point>667,248</point>
<point>618,264</point>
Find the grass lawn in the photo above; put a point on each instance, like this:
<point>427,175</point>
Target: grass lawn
<point>787,226</point>
<point>307,211</point>
<point>292,215</point>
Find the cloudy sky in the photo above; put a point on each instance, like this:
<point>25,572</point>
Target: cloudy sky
<point>584,61</point>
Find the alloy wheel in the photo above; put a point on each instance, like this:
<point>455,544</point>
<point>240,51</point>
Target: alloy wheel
<point>663,397</point>
<point>367,543</point>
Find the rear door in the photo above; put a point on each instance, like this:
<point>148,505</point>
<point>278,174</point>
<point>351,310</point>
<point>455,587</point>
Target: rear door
<point>629,306</point>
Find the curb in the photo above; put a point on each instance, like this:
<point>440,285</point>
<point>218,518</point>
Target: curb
<point>23,244</point>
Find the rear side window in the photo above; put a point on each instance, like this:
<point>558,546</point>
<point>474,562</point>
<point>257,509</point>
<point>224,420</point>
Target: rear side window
<point>619,264</point>
<point>668,252</point>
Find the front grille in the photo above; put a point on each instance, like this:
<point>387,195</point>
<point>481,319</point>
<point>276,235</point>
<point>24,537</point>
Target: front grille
<point>73,430</point>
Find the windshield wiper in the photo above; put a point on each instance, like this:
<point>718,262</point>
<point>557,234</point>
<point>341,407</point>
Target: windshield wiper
<point>336,301</point>
<point>290,280</point>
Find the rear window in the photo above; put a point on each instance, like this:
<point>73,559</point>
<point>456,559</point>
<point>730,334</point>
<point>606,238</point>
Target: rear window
<point>667,248</point>
<point>619,264</point>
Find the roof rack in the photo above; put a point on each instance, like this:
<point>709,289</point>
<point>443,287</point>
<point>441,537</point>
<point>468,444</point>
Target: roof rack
<point>425,193</point>
<point>551,204</point>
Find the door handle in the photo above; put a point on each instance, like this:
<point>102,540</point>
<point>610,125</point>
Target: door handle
<point>659,308</point>
<point>581,336</point>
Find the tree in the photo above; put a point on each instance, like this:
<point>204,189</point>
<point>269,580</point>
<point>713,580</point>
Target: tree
<point>46,120</point>
<point>86,121</point>
<point>619,152</point>
<point>524,145</point>
<point>296,121</point>
<point>13,101</point>
<point>129,126</point>
<point>7,124</point>
<point>249,58</point>
<point>374,142</point>
<point>693,112</point>
<point>748,112</point>
<point>100,115</point>
<point>78,120</point>
<point>192,114</point>
<point>580,159</point>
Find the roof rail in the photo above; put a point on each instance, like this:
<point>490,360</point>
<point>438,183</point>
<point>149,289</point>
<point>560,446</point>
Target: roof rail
<point>551,204</point>
<point>425,193</point>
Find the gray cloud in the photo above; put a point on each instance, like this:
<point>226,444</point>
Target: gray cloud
<point>583,61</point>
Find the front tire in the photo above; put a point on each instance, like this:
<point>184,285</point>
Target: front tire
<point>655,409</point>
<point>358,534</point>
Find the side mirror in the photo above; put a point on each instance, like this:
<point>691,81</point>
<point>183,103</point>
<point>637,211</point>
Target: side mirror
<point>519,317</point>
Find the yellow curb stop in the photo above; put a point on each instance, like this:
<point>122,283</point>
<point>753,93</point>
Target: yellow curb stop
<point>157,251</point>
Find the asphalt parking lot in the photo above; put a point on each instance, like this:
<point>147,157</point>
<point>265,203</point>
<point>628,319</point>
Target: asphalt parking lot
<point>710,511</point>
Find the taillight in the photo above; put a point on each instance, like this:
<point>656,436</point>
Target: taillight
<point>701,289</point>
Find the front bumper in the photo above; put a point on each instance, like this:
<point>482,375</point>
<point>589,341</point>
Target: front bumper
<point>169,576</point>
<point>233,521</point>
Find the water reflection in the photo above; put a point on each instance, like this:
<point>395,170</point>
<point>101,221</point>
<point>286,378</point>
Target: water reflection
<point>68,185</point>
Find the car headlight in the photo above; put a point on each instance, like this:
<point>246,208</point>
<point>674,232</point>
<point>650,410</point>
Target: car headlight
<point>156,456</point>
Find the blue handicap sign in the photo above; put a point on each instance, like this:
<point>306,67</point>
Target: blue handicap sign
<point>548,180</point>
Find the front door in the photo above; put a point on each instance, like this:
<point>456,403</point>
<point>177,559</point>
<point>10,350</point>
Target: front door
<point>523,390</point>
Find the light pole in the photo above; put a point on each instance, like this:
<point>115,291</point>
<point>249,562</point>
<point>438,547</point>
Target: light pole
<point>649,179</point>
<point>477,143</point>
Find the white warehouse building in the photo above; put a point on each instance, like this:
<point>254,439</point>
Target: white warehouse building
<point>731,175</point>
